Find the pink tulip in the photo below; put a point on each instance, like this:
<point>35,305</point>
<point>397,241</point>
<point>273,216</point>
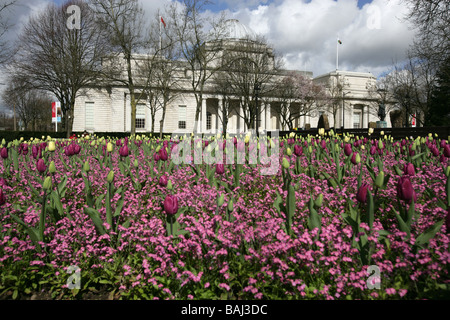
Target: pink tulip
<point>409,169</point>
<point>40,166</point>
<point>2,197</point>
<point>405,189</point>
<point>171,205</point>
<point>123,151</point>
<point>4,153</point>
<point>447,151</point>
<point>298,150</point>
<point>361,195</point>
<point>163,154</point>
<point>348,149</point>
<point>220,168</point>
<point>163,180</point>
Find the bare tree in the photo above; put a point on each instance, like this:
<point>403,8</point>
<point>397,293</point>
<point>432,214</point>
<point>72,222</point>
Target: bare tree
<point>249,66</point>
<point>199,48</point>
<point>54,56</point>
<point>31,105</point>
<point>298,96</point>
<point>432,21</point>
<point>123,21</point>
<point>5,7</point>
<point>335,91</point>
<point>161,72</point>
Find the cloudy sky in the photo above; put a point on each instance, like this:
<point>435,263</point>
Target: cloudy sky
<point>305,32</point>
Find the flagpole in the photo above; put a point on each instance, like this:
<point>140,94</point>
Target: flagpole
<point>337,53</point>
<point>160,36</point>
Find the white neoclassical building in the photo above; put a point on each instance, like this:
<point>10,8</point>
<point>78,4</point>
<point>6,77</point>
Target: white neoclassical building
<point>108,109</point>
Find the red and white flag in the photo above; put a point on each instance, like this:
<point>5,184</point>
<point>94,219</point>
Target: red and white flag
<point>162,20</point>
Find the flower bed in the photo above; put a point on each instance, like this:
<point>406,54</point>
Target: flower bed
<point>340,218</point>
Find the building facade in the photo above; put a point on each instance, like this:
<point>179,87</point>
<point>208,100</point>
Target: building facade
<point>108,108</point>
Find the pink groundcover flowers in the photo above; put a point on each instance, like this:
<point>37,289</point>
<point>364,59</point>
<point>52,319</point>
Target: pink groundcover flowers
<point>339,217</point>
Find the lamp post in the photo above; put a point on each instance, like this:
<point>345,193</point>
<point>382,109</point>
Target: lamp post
<point>256,89</point>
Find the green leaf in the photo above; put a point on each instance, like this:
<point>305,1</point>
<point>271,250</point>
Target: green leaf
<point>403,226</point>
<point>429,233</point>
<point>119,207</point>
<point>95,217</point>
<point>370,210</point>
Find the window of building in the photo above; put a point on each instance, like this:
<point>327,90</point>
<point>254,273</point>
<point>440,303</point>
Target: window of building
<point>181,117</point>
<point>208,120</point>
<point>89,116</point>
<point>140,116</point>
<point>357,120</point>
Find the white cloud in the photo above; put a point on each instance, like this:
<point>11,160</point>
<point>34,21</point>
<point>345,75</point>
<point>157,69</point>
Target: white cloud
<point>305,32</point>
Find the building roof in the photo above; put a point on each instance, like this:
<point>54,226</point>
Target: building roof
<point>235,30</point>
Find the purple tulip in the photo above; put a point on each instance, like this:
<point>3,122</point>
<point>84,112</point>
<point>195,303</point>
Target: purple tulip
<point>4,153</point>
<point>119,143</point>
<point>348,149</point>
<point>163,180</point>
<point>298,150</point>
<point>447,151</point>
<point>3,183</point>
<point>373,150</point>
<point>69,150</point>
<point>163,154</point>
<point>76,148</point>
<point>156,156</point>
<point>171,205</point>
<point>40,166</point>
<point>123,151</point>
<point>409,169</point>
<point>2,197</point>
<point>323,144</point>
<point>443,143</point>
<point>34,151</point>
<point>220,168</point>
<point>442,159</point>
<point>405,189</point>
<point>361,195</point>
<point>25,149</point>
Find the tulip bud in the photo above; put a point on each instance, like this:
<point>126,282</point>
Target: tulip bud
<point>109,147</point>
<point>230,205</point>
<point>220,200</point>
<point>310,150</point>
<point>51,146</point>
<point>379,181</point>
<point>47,184</point>
<point>380,144</point>
<point>285,163</point>
<point>319,200</point>
<point>4,153</point>
<point>51,167</point>
<point>86,166</point>
<point>289,151</point>
<point>110,177</point>
<point>169,185</point>
<point>348,149</point>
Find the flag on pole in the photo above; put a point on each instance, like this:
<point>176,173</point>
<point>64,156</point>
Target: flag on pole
<point>339,41</point>
<point>162,20</point>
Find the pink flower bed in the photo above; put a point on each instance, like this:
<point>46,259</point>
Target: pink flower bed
<point>201,233</point>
